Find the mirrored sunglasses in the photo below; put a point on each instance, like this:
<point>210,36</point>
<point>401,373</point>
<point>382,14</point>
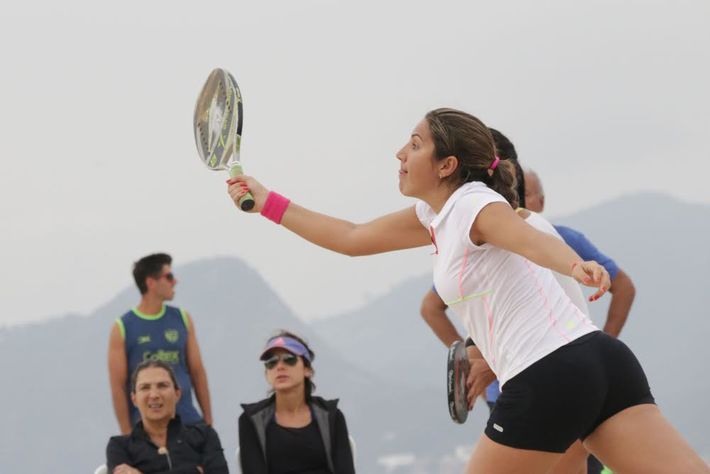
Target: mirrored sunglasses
<point>287,358</point>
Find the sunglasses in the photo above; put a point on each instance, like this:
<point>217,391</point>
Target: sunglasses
<point>287,358</point>
<point>168,276</point>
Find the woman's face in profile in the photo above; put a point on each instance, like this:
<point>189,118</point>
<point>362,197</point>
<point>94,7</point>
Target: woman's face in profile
<point>155,395</point>
<point>418,171</point>
<point>285,371</point>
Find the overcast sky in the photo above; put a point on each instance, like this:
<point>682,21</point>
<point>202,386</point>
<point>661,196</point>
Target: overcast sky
<point>603,98</point>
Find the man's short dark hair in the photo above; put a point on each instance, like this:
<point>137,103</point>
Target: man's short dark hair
<point>505,148</point>
<point>149,266</point>
<point>506,151</point>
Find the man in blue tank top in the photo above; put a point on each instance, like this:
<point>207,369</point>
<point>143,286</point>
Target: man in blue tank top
<point>154,330</point>
<point>433,309</point>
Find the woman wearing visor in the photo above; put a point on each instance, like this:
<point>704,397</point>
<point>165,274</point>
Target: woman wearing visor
<point>293,431</point>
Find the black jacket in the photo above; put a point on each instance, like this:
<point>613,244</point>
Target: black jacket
<point>188,447</point>
<point>331,424</point>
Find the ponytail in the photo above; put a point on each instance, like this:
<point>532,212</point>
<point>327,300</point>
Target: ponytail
<point>456,133</point>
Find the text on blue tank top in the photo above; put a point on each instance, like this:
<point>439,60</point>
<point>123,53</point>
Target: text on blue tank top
<point>161,337</point>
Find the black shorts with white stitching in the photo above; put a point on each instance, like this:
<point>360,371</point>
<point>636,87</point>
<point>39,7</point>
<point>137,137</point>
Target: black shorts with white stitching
<point>567,394</point>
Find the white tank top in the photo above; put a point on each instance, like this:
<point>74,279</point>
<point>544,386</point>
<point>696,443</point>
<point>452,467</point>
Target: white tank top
<point>514,310</point>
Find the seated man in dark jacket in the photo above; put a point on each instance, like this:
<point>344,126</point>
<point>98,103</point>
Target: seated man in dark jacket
<point>293,431</point>
<point>160,443</point>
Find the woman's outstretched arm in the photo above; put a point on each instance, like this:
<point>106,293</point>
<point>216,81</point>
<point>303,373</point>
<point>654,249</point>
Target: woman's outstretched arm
<point>396,231</point>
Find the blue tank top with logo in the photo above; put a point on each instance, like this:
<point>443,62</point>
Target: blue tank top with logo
<point>162,336</point>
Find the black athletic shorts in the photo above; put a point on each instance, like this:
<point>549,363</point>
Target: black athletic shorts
<point>567,394</point>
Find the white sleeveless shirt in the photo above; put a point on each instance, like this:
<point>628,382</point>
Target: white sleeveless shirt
<point>514,310</point>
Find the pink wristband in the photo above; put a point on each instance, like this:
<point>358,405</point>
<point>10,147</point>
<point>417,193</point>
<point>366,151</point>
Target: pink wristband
<point>275,207</point>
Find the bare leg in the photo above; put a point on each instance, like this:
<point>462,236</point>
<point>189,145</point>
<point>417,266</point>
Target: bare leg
<point>574,461</point>
<point>490,457</point>
<point>640,440</point>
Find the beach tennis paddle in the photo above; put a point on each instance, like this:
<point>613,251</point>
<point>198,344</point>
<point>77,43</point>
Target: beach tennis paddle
<point>218,124</point>
<point>457,368</point>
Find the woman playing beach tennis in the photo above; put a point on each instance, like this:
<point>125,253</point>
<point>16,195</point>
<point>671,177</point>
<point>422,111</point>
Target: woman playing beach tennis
<point>493,270</point>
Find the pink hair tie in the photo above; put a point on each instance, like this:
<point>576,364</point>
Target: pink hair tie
<point>494,165</point>
<point>275,207</point>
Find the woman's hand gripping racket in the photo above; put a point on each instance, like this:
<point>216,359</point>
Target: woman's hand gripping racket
<point>218,127</point>
<point>457,369</point>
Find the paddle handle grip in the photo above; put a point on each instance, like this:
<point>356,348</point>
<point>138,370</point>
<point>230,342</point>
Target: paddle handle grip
<point>246,202</point>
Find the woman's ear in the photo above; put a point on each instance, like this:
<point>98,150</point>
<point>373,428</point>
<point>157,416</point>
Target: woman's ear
<point>447,166</point>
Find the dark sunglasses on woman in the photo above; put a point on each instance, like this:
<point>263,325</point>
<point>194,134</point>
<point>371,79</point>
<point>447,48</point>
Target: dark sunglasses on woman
<point>287,358</point>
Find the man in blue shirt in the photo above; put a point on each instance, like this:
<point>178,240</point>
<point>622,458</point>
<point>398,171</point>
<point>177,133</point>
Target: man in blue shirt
<point>433,308</point>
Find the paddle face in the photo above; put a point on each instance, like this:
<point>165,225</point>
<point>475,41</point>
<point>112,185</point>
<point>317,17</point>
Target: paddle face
<point>217,124</point>
<point>216,114</point>
<point>457,368</point>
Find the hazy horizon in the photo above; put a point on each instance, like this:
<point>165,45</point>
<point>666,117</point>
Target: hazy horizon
<point>329,312</point>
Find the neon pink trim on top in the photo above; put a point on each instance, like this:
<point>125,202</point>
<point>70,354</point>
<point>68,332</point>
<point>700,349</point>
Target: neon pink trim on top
<point>494,165</point>
<point>275,207</point>
<point>433,240</point>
